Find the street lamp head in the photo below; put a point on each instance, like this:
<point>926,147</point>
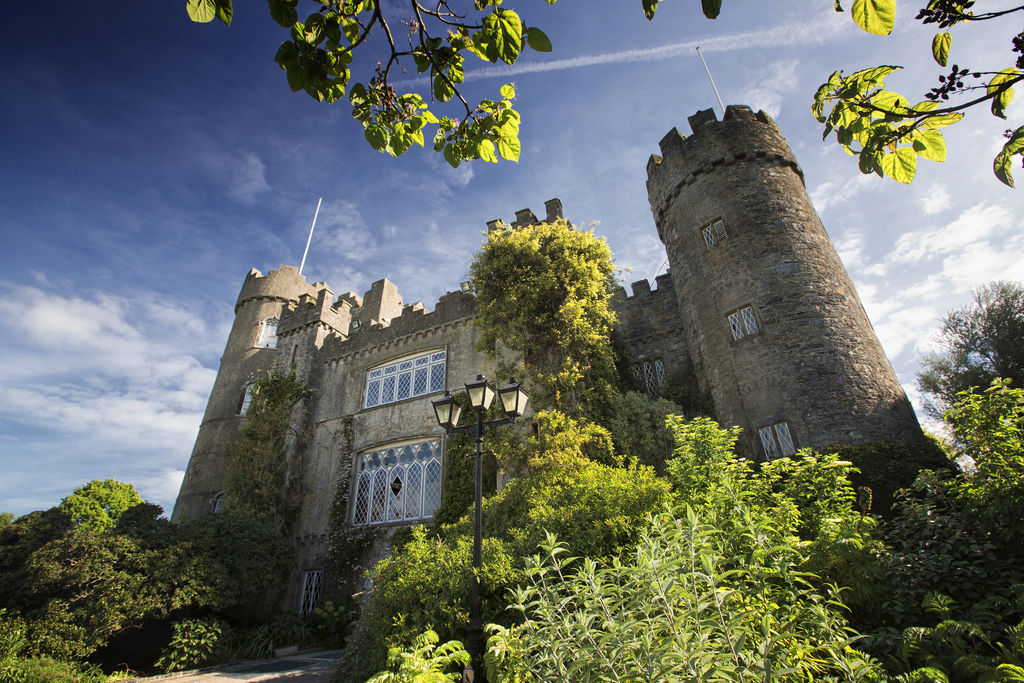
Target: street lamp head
<point>480,393</point>
<point>447,411</point>
<point>513,398</point>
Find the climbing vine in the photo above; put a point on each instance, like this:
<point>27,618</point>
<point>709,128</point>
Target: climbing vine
<point>347,542</point>
<point>544,290</point>
<point>258,483</point>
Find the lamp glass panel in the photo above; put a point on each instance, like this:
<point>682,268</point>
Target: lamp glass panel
<point>480,394</point>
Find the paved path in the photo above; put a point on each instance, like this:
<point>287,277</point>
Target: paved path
<point>309,667</point>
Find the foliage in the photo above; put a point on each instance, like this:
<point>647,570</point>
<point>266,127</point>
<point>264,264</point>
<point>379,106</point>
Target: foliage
<point>330,622</point>
<point>259,642</point>
<point>12,643</point>
<point>424,662</point>
<point>318,54</point>
<point>459,483</point>
<point>543,290</point>
<point>683,607</point>
<point>683,389</point>
<point>980,342</point>
<point>883,129</point>
<point>194,643</point>
<point>99,504</point>
<point>258,483</point>
<point>6,519</point>
<point>347,542</point>
<point>884,467</point>
<point>49,670</point>
<point>637,426</point>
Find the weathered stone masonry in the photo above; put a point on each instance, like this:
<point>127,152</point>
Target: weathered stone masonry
<point>756,298</point>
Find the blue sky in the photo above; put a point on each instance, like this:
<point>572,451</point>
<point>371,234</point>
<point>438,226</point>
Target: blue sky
<point>147,163</point>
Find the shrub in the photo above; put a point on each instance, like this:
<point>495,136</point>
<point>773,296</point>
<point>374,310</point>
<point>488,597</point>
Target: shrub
<point>194,643</point>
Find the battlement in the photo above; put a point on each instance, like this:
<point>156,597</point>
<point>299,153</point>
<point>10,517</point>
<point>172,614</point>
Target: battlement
<point>741,137</point>
<point>552,212</point>
<point>414,319</point>
<point>284,284</point>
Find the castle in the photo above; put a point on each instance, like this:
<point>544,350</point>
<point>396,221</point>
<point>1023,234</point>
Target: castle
<point>756,299</point>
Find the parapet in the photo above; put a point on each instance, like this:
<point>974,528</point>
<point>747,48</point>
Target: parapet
<point>524,217</point>
<point>284,284</point>
<point>740,137</point>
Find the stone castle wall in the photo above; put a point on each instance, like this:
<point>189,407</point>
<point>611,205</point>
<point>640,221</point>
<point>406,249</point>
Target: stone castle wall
<point>804,353</point>
<point>813,363</point>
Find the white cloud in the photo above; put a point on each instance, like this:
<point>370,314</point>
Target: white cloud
<point>771,85</point>
<point>936,200</point>
<point>972,226</point>
<point>242,174</point>
<point>117,379</point>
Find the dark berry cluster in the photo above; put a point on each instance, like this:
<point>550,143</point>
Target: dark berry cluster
<point>953,83</point>
<point>945,13</point>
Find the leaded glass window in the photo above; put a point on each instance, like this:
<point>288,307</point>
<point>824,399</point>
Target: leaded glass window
<point>398,483</point>
<point>405,378</point>
<point>649,376</point>
<point>713,233</point>
<point>268,334</point>
<point>776,440</point>
<point>311,586</point>
<point>743,323</point>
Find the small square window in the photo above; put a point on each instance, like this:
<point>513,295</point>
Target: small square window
<point>714,234</point>
<point>743,323</point>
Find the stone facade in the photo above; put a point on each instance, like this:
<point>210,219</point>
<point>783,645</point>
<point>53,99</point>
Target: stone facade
<point>756,299</point>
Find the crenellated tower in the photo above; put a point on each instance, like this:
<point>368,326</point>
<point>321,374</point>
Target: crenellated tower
<point>774,325</point>
<point>251,348</point>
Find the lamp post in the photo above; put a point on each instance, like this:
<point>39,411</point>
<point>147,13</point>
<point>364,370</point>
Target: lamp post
<point>513,401</point>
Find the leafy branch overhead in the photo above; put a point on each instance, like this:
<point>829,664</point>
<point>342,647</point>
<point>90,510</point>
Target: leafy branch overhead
<point>436,39</point>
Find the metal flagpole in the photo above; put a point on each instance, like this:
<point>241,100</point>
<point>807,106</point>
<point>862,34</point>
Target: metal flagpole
<point>310,238</point>
<point>706,69</point>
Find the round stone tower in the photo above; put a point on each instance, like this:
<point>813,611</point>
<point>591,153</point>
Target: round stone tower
<point>774,325</point>
<point>251,348</point>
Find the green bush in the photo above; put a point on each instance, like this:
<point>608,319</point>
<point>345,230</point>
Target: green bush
<point>425,661</point>
<point>888,466</point>
<point>194,643</point>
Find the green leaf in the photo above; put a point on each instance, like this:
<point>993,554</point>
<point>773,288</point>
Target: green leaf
<point>900,165</point>
<point>650,7</point>
<point>1003,162</point>
<point>940,121</point>
<point>930,144</point>
<point>283,12</point>
<point>940,47</point>
<point>508,91</point>
<point>875,16</point>
<point>508,148</point>
<point>511,31</point>
<point>1001,101</point>
<point>453,156</point>
<point>868,162</point>
<point>886,99</point>
<point>201,11</point>
<point>224,11</point>
<point>538,40</point>
<point>296,78</point>
<point>711,8</point>
<point>442,90</point>
<point>485,151</point>
<point>377,136</point>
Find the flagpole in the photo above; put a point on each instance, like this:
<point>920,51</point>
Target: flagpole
<point>310,238</point>
<point>708,71</point>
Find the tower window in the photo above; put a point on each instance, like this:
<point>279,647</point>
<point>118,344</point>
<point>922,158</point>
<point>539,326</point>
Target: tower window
<point>714,233</point>
<point>268,334</point>
<point>743,323</point>
<point>243,406</point>
<point>311,584</point>
<point>405,378</point>
<point>649,376</point>
<point>776,440</point>
<point>217,503</point>
<point>399,483</point>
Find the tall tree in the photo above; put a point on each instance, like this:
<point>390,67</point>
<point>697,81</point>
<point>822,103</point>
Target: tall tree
<point>980,342</point>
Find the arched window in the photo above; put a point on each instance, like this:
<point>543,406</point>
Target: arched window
<point>217,502</point>
<point>400,483</point>
<point>268,334</point>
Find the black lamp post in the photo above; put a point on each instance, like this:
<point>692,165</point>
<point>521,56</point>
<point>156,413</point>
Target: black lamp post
<point>481,394</point>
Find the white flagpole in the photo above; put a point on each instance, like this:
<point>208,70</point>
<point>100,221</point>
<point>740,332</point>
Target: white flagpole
<point>310,238</point>
<point>708,71</point>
